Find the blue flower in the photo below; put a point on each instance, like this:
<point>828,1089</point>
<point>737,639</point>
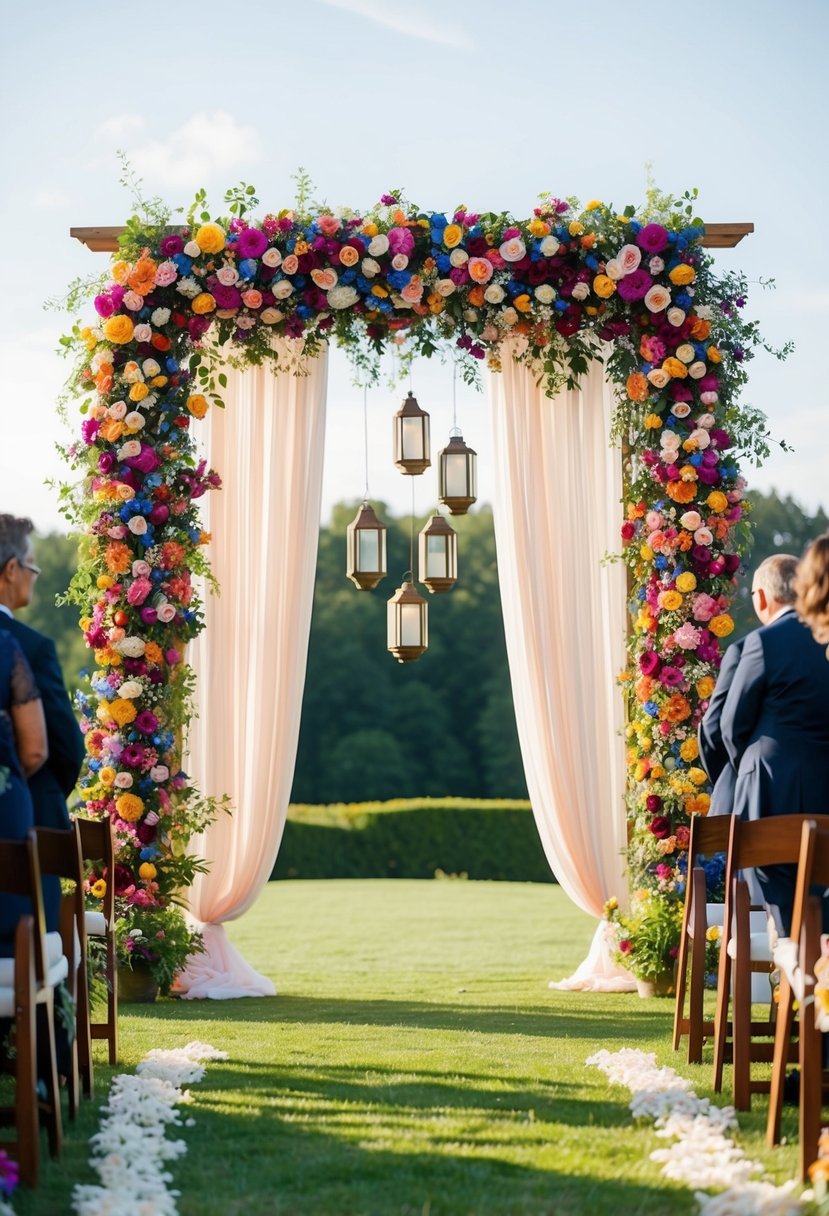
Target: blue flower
<point>651,708</point>
<point>248,267</point>
<point>184,264</point>
<point>683,300</point>
<point>399,278</point>
<point>443,263</point>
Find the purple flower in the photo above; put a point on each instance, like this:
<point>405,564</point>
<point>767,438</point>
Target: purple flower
<point>106,462</point>
<point>147,460</point>
<point>89,430</point>
<point>636,285</point>
<point>226,297</point>
<point>146,722</point>
<point>171,245</point>
<point>388,200</point>
<point>252,243</point>
<point>401,240</point>
<point>104,306</point>
<point>132,755</point>
<point>652,238</point>
<point>649,662</point>
<point>671,677</point>
<point>198,326</point>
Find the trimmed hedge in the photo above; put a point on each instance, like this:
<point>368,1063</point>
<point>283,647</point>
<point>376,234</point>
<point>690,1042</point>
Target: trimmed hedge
<point>413,838</point>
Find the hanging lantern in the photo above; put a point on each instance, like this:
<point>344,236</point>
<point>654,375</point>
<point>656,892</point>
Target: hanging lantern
<point>457,481</point>
<point>365,549</point>
<point>438,555</point>
<point>411,438</point>
<point>408,623</point>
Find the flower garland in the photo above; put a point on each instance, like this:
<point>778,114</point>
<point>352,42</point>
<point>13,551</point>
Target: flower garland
<point>702,1154</point>
<point>564,281</point>
<point>130,1150</point>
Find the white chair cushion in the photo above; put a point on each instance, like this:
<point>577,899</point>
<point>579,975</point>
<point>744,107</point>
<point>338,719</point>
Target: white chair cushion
<point>54,948</point>
<point>56,961</point>
<point>58,971</point>
<point>7,1006</point>
<point>6,972</point>
<point>96,924</point>
<point>714,915</point>
<point>759,948</point>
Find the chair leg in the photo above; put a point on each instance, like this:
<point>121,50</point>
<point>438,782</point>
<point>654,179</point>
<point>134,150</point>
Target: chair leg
<point>721,1015</point>
<point>696,1000</point>
<point>112,1000</point>
<point>782,1038</point>
<point>26,1110</point>
<point>679,1003</point>
<point>811,1045</point>
<point>83,1035</point>
<point>50,1107</point>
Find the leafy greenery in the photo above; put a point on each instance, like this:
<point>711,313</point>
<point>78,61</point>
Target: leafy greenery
<point>647,934</point>
<point>414,1061</point>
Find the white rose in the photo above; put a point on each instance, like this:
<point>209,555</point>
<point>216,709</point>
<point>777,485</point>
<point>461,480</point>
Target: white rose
<point>685,352</point>
<point>160,316</point>
<point>703,536</point>
<point>131,648</point>
<point>282,289</point>
<point>697,370</point>
<point>658,377</point>
<point>130,689</point>
<point>549,246</point>
<point>137,525</point>
<point>166,612</point>
<point>117,410</point>
<point>691,520</point>
<point>159,773</point>
<point>129,449</point>
<point>342,296</point>
<point>188,287</point>
<point>545,294</point>
<point>150,367</point>
<point>399,261</point>
<point>656,265</point>
<point>706,420</point>
<point>513,250</point>
<point>705,312</point>
<point>581,291</point>
<point>613,269</point>
<point>123,781</point>
<point>494,294</point>
<point>369,267</point>
<point>379,245</point>
<point>192,250</point>
<point>458,257</point>
<point>509,316</point>
<point>681,409</point>
<point>272,258</point>
<point>134,421</point>
<point>140,569</point>
<point>675,316</point>
<point>270,316</point>
<point>669,439</point>
<point>139,932</point>
<point>228,276</point>
<point>470,314</point>
<point>444,287</point>
<point>143,333</point>
<point>132,373</point>
<point>629,258</point>
<point>657,298</point>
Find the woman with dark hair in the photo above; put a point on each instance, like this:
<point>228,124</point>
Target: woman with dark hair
<point>812,587</point>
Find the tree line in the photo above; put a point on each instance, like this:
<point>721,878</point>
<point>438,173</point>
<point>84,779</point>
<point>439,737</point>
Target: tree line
<point>374,729</point>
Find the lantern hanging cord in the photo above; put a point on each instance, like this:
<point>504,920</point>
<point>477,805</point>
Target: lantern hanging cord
<point>365,433</point>
<point>454,396</point>
<point>411,532</point>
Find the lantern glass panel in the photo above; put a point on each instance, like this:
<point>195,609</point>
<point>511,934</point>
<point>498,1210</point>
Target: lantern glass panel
<point>410,622</point>
<point>436,557</point>
<point>455,471</point>
<point>412,438</point>
<point>368,549</point>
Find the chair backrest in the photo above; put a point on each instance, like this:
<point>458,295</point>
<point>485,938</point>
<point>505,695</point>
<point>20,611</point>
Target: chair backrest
<point>59,853</point>
<point>20,875</point>
<point>96,844</point>
<point>813,867</point>
<point>766,842</point>
<point>708,836</point>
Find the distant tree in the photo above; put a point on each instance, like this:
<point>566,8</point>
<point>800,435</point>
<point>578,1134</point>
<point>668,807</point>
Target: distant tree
<point>57,556</point>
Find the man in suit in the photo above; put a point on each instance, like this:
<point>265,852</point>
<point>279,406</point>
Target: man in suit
<point>775,721</point>
<point>712,751</point>
<point>51,785</point>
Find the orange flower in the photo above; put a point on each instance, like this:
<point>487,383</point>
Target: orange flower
<point>588,241</point>
<point>160,342</point>
<point>700,329</point>
<point>675,368</point>
<point>705,686</point>
<point>637,387</point>
<point>197,405</point>
<point>129,807</point>
<point>123,711</point>
<point>117,557</point>
<point>476,296</point>
<point>203,303</point>
<point>682,491</point>
<point>142,276</point>
<point>152,653</point>
<point>675,709</point>
<point>717,501</point>
<point>698,804</point>
<point>523,303</point>
<point>682,275</point>
<point>721,625</point>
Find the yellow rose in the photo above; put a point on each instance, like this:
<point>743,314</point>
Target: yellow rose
<point>369,229</point>
<point>689,749</point>
<point>698,804</point>
<point>120,271</point>
<point>129,807</point>
<point>721,625</point>
<point>123,711</point>
<point>705,686</point>
<point>682,275</point>
<point>99,888</point>
<point>652,421</point>
<point>379,291</point>
<point>119,329</point>
<point>575,228</point>
<point>714,355</point>
<point>210,238</point>
<point>670,600</point>
<point>657,772</point>
<point>717,501</point>
<point>139,391</point>
<point>675,368</point>
<point>452,235</point>
<point>147,871</point>
<point>646,552</point>
<point>603,286</point>
<point>593,204</point>
<point>197,405</point>
<point>686,582</point>
<point>538,227</point>
<point>697,776</point>
<point>103,583</point>
<point>203,302</point>
<point>713,933</point>
<point>106,776</point>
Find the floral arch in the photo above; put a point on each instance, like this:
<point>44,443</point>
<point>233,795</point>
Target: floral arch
<point>637,288</point>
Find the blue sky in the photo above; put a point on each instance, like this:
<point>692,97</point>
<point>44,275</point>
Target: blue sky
<point>486,104</point>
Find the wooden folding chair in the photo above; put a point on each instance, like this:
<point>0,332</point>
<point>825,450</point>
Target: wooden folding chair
<point>745,949</point>
<point>812,872</point>
<point>17,1002</point>
<point>708,836</point>
<point>20,875</point>
<point>97,846</point>
<point>59,853</point>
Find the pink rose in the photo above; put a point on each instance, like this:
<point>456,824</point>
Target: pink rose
<point>704,607</point>
<point>140,569</point>
<point>138,591</point>
<point>629,258</point>
<point>159,773</point>
<point>166,274</point>
<point>401,240</point>
<point>166,613</point>
<point>413,290</point>
<point>328,225</point>
<point>133,301</point>
<point>687,636</point>
<point>399,261</point>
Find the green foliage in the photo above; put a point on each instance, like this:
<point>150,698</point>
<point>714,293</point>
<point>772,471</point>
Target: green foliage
<point>413,838</point>
<point>156,937</point>
<point>647,936</point>
<point>57,557</point>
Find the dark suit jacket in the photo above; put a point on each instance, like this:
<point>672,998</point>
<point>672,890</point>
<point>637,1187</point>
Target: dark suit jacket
<point>712,750</point>
<point>775,725</point>
<point>54,782</point>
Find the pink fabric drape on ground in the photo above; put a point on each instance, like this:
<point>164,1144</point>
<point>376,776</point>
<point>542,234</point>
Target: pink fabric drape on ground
<point>557,512</point>
<point>267,445</point>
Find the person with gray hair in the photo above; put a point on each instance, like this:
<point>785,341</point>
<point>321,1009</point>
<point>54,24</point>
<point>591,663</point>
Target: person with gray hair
<point>52,784</point>
<point>775,721</point>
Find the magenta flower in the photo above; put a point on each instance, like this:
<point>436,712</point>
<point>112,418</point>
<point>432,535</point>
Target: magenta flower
<point>138,591</point>
<point>671,677</point>
<point>652,238</point>
<point>649,662</point>
<point>401,240</point>
<point>171,245</point>
<point>146,722</point>
<point>653,803</point>
<point>251,243</point>
<point>132,755</point>
<point>104,306</point>
<point>635,286</point>
<point>226,297</point>
<point>147,460</point>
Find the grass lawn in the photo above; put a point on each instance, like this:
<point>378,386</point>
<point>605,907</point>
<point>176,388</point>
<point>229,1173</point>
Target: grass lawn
<point>414,1063</point>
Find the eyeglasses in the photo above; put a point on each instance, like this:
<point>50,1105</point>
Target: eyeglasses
<point>30,567</point>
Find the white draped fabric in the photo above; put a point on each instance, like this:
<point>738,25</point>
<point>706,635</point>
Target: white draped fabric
<point>557,512</point>
<point>267,445</point>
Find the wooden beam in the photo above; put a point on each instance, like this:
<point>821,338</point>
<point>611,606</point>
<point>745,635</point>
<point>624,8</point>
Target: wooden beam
<point>105,240</point>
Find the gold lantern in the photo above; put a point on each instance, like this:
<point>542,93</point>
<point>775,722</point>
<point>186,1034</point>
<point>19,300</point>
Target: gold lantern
<point>457,481</point>
<point>411,438</point>
<point>408,623</point>
<point>438,555</point>
<point>366,549</point>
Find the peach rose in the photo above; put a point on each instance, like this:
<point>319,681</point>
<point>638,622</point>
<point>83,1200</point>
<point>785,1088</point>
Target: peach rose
<point>629,258</point>
<point>324,279</point>
<point>290,265</point>
<point>348,255</point>
<point>658,298</point>
<point>328,225</point>
<point>480,270</point>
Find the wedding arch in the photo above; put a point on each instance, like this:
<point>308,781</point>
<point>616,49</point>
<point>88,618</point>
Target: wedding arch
<point>595,326</point>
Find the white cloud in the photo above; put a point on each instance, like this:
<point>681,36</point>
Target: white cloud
<point>119,125</point>
<point>203,145</point>
<point>410,24</point>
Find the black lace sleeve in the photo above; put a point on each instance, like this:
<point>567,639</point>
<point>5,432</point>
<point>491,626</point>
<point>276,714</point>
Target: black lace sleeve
<point>23,687</point>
